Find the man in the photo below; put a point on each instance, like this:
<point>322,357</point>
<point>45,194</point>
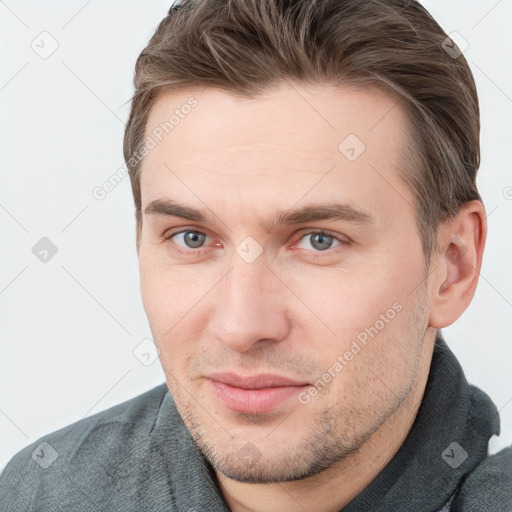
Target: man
<point>307,222</point>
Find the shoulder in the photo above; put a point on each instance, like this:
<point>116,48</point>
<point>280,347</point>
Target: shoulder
<point>56,466</point>
<point>488,486</point>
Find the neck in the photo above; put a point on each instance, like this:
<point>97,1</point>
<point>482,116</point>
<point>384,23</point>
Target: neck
<point>333,489</point>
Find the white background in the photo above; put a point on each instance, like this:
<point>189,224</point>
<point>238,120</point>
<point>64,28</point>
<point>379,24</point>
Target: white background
<point>69,326</point>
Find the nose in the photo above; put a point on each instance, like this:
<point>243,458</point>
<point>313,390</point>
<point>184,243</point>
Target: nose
<point>251,307</point>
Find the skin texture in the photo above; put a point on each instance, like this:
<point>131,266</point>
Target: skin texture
<point>288,312</point>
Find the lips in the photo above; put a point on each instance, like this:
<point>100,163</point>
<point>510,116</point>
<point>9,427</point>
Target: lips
<point>254,382</point>
<point>253,394</point>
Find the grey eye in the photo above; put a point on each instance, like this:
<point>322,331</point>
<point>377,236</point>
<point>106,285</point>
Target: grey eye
<point>319,241</point>
<point>192,239</point>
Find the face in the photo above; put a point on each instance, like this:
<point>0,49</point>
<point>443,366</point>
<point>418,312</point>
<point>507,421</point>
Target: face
<point>282,272</point>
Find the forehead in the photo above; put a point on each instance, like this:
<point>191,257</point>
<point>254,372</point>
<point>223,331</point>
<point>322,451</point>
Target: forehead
<point>316,141</point>
<point>285,113</point>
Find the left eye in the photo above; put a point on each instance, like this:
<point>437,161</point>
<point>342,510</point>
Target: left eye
<point>190,239</point>
<point>320,241</point>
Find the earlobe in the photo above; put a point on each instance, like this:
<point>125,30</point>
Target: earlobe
<point>459,262</point>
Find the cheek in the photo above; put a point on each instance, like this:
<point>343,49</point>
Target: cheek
<point>345,303</point>
<point>166,291</point>
<point>159,299</point>
<point>367,321</point>
<point>173,300</point>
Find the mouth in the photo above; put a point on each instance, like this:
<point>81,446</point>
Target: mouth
<point>253,394</point>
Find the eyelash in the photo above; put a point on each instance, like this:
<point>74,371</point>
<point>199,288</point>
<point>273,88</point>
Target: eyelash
<point>313,254</point>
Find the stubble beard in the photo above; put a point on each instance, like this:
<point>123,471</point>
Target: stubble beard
<point>335,433</point>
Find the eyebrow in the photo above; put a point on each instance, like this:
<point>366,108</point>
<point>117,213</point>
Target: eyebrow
<point>308,213</point>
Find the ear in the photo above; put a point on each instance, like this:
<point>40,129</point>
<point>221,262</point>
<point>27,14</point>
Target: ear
<point>457,264</point>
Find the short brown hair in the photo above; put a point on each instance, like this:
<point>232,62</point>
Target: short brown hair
<point>245,47</point>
